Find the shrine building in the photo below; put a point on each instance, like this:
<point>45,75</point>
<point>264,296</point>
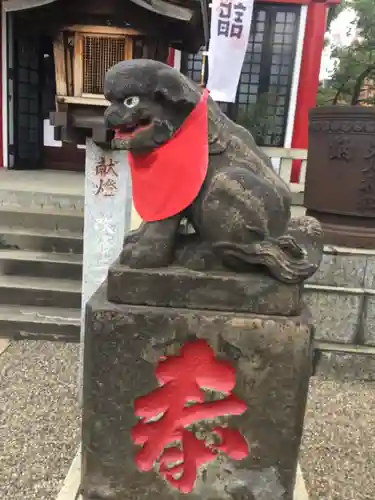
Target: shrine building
<point>42,39</point>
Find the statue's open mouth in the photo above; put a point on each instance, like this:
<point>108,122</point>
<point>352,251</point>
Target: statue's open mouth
<point>130,130</point>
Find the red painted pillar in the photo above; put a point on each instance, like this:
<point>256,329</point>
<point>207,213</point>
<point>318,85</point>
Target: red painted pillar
<point>170,59</point>
<point>1,99</point>
<point>309,77</point>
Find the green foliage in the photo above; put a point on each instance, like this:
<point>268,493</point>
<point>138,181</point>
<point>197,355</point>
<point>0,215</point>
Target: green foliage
<point>355,64</point>
<point>326,95</point>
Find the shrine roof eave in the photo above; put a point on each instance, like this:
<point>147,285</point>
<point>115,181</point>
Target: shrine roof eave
<point>168,8</point>
<point>172,8</point>
<point>184,23</point>
<point>15,5</point>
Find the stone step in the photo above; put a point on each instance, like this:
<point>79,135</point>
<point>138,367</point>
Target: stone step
<point>42,219</point>
<point>40,323</point>
<point>37,199</point>
<point>40,264</point>
<point>41,240</point>
<point>44,292</point>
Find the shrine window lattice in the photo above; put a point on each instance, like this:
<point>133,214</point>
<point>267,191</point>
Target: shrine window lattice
<point>99,54</point>
<point>262,99</point>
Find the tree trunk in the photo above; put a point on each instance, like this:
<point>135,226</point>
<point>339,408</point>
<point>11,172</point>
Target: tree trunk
<point>337,95</point>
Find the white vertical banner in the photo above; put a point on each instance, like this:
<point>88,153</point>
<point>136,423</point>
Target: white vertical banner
<point>230,29</point>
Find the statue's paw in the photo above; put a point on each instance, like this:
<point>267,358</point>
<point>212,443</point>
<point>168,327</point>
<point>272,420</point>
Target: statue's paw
<point>126,253</point>
<point>133,236</point>
<point>141,256</point>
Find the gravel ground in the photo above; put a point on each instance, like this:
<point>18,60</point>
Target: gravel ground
<point>39,428</point>
<point>338,453</point>
<point>39,418</point>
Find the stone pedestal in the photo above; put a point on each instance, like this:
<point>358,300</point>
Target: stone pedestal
<point>245,439</point>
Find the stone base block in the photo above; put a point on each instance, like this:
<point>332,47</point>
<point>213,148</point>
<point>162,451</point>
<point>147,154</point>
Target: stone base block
<point>341,296</point>
<point>336,316</point>
<point>369,320</point>
<point>224,291</point>
<point>345,365</point>
<point>341,269</point>
<point>71,486</point>
<point>219,396</point>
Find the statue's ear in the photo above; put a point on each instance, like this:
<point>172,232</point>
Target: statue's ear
<point>174,87</point>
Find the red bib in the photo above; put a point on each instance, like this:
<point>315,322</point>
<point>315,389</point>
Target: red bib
<point>166,181</point>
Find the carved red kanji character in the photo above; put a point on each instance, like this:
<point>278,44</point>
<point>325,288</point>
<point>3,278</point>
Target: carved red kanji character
<point>195,453</point>
<point>168,410</point>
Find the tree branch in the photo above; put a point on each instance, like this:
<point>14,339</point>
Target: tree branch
<point>358,84</point>
<point>337,95</point>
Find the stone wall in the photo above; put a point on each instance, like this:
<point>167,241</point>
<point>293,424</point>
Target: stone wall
<point>341,296</point>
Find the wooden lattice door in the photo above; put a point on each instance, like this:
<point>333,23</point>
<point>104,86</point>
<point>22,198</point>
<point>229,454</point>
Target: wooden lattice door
<point>28,124</point>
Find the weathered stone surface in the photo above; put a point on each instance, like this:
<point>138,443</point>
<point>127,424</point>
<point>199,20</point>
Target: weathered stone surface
<point>370,272</point>
<point>272,359</point>
<point>179,287</point>
<point>341,270</point>
<point>335,315</point>
<point>346,366</point>
<point>369,320</point>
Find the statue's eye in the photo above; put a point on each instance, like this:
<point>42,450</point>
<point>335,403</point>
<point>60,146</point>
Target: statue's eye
<point>131,102</point>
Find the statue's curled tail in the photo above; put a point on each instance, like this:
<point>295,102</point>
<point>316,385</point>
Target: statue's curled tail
<point>291,258</point>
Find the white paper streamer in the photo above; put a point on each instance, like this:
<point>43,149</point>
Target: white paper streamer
<point>230,29</point>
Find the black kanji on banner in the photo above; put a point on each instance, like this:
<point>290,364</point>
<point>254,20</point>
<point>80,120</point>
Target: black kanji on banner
<point>228,26</point>
<point>225,14</point>
<point>225,10</point>
<point>223,28</point>
<point>237,25</point>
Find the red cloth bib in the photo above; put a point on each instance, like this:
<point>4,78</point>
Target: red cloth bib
<point>166,181</point>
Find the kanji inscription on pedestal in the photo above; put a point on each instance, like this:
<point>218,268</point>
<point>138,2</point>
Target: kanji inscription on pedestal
<point>106,177</point>
<point>167,413</point>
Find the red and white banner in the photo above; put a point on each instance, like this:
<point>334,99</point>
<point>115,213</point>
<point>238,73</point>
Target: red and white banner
<point>230,29</point>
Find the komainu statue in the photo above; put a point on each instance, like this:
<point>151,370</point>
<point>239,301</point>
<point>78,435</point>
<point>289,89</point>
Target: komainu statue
<point>189,162</point>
